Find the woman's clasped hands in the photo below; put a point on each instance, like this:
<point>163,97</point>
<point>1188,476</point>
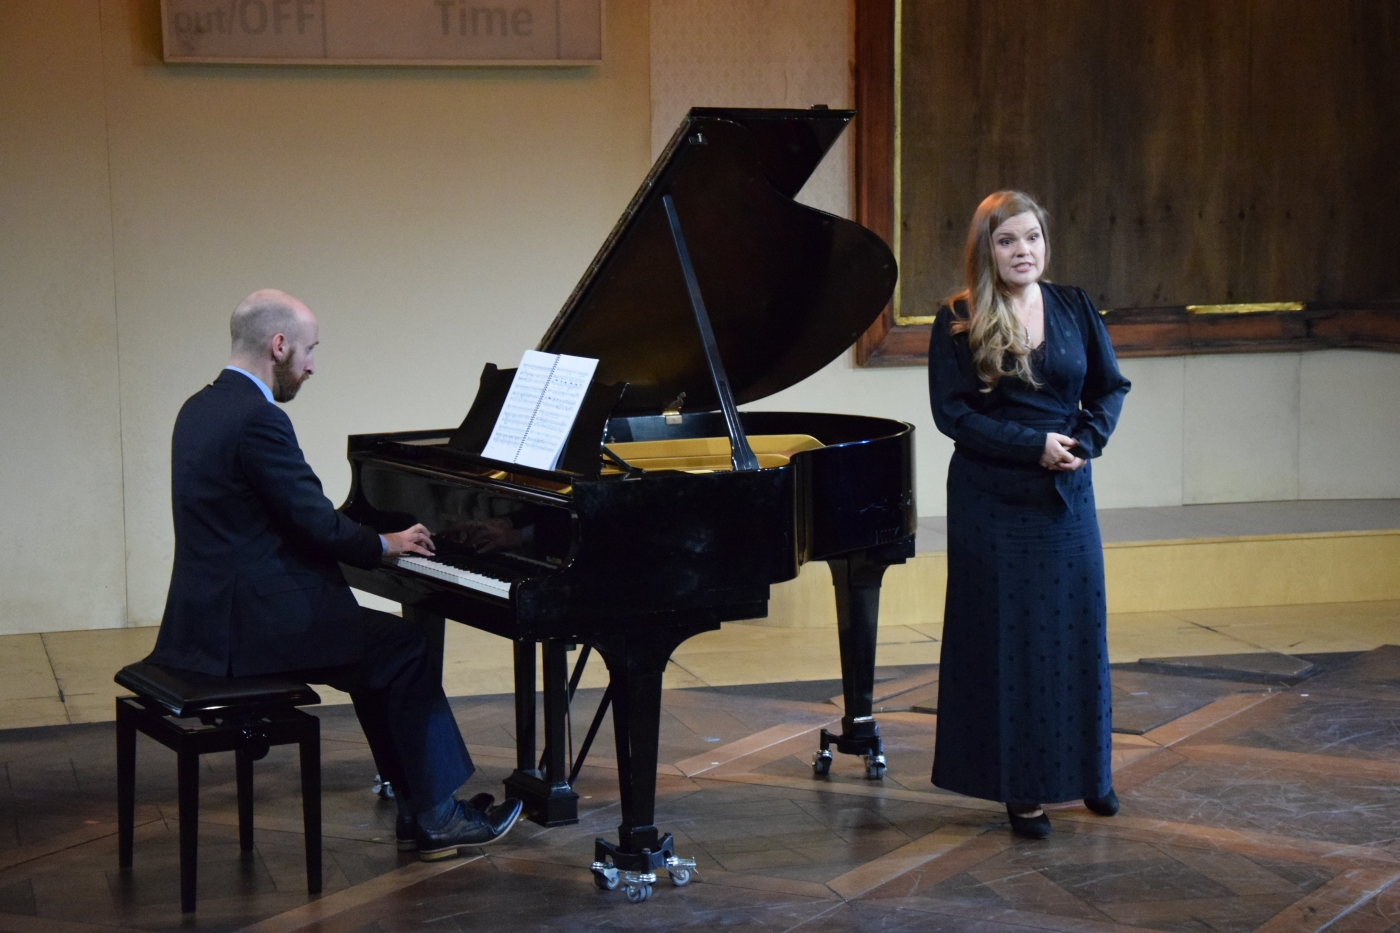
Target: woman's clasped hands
<point>1058,456</point>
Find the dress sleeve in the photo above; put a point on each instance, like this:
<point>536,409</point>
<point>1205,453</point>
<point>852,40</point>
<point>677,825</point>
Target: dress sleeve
<point>1101,400</point>
<point>955,392</point>
<point>284,481</point>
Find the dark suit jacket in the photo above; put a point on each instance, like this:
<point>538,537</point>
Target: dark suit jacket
<point>256,588</point>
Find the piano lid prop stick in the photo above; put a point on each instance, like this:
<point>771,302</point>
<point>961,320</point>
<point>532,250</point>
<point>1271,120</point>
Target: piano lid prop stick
<point>740,454</point>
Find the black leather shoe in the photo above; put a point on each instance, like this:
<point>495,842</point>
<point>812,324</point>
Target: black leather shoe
<point>1107,805</point>
<point>406,829</point>
<point>1031,827</point>
<point>467,828</point>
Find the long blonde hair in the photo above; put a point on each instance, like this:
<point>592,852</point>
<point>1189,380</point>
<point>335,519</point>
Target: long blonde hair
<point>993,332</point>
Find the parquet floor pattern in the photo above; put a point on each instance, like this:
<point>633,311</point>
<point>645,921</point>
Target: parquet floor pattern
<point>1246,807</point>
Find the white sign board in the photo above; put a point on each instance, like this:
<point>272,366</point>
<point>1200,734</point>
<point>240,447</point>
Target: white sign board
<point>383,32</point>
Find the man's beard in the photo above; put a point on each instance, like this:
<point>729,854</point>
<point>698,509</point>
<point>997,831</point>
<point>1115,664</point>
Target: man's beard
<point>285,380</point>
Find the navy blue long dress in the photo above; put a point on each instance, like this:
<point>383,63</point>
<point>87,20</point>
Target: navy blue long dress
<point>1023,696</point>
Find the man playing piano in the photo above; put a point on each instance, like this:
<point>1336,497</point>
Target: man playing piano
<point>256,587</point>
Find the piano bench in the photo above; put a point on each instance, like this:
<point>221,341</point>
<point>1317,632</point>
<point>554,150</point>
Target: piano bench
<point>193,714</point>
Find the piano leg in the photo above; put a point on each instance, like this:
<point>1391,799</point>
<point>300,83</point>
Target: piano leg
<point>636,661</point>
<point>548,798</point>
<point>857,580</point>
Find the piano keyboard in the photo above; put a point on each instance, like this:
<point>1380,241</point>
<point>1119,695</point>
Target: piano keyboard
<point>443,571</point>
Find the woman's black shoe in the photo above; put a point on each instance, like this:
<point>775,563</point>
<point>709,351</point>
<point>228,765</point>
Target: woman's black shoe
<point>1031,827</point>
<point>1107,805</point>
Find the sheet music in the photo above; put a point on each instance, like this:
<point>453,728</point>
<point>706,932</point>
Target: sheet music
<point>540,409</point>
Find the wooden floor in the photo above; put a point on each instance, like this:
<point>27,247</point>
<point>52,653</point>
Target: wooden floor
<point>1247,805</point>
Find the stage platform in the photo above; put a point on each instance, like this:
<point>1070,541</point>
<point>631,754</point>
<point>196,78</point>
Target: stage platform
<point>1194,557</point>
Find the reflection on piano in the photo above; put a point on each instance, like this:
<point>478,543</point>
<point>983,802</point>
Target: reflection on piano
<point>671,511</point>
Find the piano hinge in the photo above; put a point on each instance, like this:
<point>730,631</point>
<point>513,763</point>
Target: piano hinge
<point>672,412</point>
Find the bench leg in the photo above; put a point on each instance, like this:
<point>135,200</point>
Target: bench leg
<point>243,766</point>
<point>189,827</point>
<point>311,804</point>
<point>126,786</point>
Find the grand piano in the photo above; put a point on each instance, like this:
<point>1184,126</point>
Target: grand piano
<point>670,512</point>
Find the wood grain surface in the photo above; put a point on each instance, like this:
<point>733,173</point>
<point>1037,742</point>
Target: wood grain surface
<point>1188,153</point>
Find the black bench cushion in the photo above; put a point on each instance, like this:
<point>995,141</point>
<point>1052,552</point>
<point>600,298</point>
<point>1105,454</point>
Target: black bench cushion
<point>186,693</point>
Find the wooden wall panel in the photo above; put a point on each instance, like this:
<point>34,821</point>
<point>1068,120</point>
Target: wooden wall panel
<point>1321,177</point>
<point>1168,116</point>
<point>1189,151</point>
<point>874,144</point>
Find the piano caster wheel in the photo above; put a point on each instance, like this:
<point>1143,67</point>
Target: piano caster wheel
<point>875,767</point>
<point>605,876</point>
<point>382,788</point>
<point>821,762</point>
<point>638,885</point>
<point>680,869</point>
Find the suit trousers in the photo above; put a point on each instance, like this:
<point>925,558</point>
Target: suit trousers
<point>403,711</point>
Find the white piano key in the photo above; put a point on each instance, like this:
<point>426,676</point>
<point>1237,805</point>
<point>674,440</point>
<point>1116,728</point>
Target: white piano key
<point>472,581</point>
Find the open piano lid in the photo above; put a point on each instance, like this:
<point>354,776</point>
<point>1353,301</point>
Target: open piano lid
<point>787,287</point>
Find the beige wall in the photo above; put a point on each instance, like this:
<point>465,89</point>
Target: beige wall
<point>1257,427</point>
<point>436,219</point>
<point>61,538</point>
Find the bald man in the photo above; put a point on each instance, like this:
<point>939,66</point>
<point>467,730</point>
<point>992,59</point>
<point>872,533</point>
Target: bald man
<point>256,586</point>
